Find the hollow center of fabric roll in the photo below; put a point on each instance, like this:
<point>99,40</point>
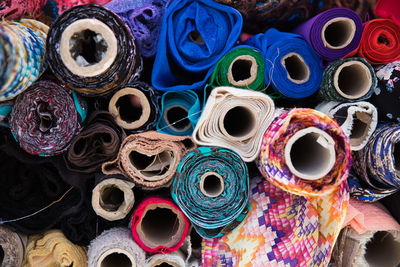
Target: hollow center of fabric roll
<point>130,108</point>
<point>111,198</point>
<point>383,40</point>
<point>338,33</point>
<point>396,157</point>
<point>164,264</point>
<point>45,117</point>
<point>87,47</point>
<point>211,184</point>
<point>152,165</point>
<point>117,260</point>
<point>239,123</point>
<point>195,239</point>
<point>242,71</point>
<point>310,153</point>
<point>382,250</point>
<point>196,37</point>
<point>1,256</point>
<point>159,224</point>
<point>297,69</point>
<point>360,128</point>
<point>352,80</point>
<point>177,118</point>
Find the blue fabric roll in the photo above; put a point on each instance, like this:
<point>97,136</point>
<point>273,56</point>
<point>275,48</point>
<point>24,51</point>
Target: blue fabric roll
<point>211,187</point>
<point>275,47</point>
<point>180,112</point>
<point>195,34</point>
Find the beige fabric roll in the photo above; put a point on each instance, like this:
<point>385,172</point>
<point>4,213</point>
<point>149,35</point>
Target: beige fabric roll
<point>12,245</point>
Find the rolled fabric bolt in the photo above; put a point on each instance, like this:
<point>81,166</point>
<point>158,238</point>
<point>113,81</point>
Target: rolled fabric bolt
<point>333,33</point>
<point>46,118</point>
<point>195,34</point>
<point>115,248</point>
<point>348,80</point>
<point>150,159</point>
<point>380,42</point>
<point>235,119</point>
<point>387,9</point>
<point>180,112</point>
<point>136,107</point>
<point>292,67</point>
<point>96,52</point>
<point>113,199</point>
<point>52,248</point>
<point>173,259</point>
<point>211,187</point>
<point>358,120</point>
<point>64,5</point>
<point>12,246</point>
<point>159,226</point>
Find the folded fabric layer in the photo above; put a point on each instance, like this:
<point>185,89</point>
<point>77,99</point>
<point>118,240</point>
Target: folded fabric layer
<point>211,187</point>
<point>12,246</point>
<point>96,52</point>
<point>46,118</point>
<point>242,67</point>
<point>22,55</point>
<point>180,112</point>
<point>136,107</point>
<point>150,159</point>
<point>97,143</point>
<point>16,9</point>
<point>52,248</point>
<point>292,67</point>
<point>377,164</point>
<point>333,33</point>
<point>358,120</point>
<point>195,34</point>
<point>282,229</point>
<point>347,80</point>
<point>380,42</point>
<point>174,259</point>
<point>144,18</point>
<point>159,226</point>
<point>235,119</point>
<point>115,247</point>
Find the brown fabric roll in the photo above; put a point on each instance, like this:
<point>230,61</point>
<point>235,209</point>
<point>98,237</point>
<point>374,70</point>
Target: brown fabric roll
<point>12,245</point>
<point>150,159</point>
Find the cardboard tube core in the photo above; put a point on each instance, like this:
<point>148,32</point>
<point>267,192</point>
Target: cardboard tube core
<point>212,184</point>
<point>242,71</point>
<point>310,153</point>
<point>382,250</point>
<point>116,258</point>
<point>176,117</point>
<point>361,125</point>
<point>165,264</point>
<point>238,123</point>
<point>297,69</point>
<point>338,33</point>
<point>352,80</point>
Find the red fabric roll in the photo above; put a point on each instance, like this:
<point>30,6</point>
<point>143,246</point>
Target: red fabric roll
<point>388,9</point>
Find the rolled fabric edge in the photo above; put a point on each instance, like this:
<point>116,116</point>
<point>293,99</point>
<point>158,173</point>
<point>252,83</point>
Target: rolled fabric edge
<point>12,246</point>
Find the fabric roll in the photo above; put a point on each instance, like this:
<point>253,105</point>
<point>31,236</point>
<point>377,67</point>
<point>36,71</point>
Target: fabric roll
<point>113,198</point>
<point>159,226</point>
<point>380,42</point>
<point>225,107</point>
<point>46,118</point>
<point>17,9</point>
<point>52,248</point>
<point>136,107</point>
<point>64,5</point>
<point>22,55</point>
<point>333,33</point>
<point>12,246</point>
<point>376,166</point>
<point>96,52</point>
<point>195,34</point>
<point>144,19</point>
<point>281,229</point>
<point>180,112</point>
<point>243,67</point>
<point>388,9</point>
<point>150,159</point>
<point>115,247</point>
<point>173,259</point>
<point>358,120</point>
<point>292,67</point>
<point>211,187</point>
<point>348,80</point>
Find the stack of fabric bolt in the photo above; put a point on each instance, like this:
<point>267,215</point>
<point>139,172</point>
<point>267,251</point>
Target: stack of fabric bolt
<point>199,133</point>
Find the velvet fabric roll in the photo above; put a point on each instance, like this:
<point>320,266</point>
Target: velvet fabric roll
<point>333,33</point>
<point>211,187</point>
<point>159,226</point>
<point>136,107</point>
<point>242,67</point>
<point>52,248</point>
<point>16,9</point>
<point>348,80</point>
<point>46,118</point>
<point>292,68</point>
<point>180,112</point>
<point>12,245</point>
<point>144,18</point>
<point>235,119</point>
<point>150,159</point>
<point>380,42</point>
<point>22,55</point>
<point>195,34</point>
<point>96,52</point>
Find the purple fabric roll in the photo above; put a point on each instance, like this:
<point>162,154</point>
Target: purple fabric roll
<point>338,41</point>
<point>144,17</point>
